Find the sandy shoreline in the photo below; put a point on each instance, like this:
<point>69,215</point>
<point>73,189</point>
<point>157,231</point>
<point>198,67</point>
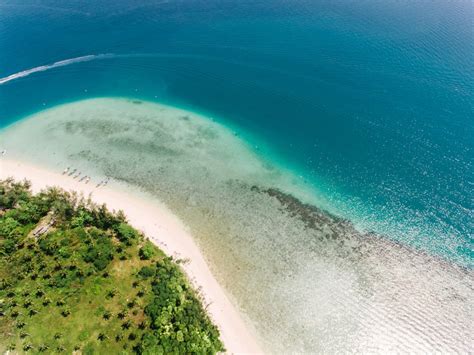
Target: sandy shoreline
<point>162,228</point>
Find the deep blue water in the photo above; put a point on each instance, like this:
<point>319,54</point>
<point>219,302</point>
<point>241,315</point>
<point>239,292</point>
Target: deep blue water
<point>369,101</point>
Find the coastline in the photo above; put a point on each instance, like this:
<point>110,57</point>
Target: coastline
<point>162,228</point>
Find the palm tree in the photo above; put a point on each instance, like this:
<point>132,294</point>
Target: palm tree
<point>60,303</point>
<point>107,315</point>
<point>118,337</point>
<point>126,325</point>
<point>46,302</point>
<point>122,314</point>
<point>57,336</point>
<point>111,293</point>
<point>20,324</point>
<point>43,348</point>
<point>32,312</point>
<point>11,347</point>
<point>27,347</point>
<point>65,312</point>
<point>102,336</point>
<point>23,335</point>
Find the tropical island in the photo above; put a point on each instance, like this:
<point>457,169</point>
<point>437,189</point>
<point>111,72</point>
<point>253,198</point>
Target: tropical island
<point>76,277</point>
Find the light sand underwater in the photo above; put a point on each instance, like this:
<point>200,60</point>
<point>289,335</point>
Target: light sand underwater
<point>300,276</point>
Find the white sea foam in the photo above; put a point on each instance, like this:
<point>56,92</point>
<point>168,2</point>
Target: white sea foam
<point>61,63</point>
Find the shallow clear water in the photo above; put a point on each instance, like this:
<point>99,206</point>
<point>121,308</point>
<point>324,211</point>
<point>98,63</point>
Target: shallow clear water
<point>306,280</point>
<point>362,108</point>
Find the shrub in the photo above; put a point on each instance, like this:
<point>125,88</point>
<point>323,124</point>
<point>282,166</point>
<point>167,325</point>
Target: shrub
<point>146,272</point>
<point>126,234</point>
<point>147,251</point>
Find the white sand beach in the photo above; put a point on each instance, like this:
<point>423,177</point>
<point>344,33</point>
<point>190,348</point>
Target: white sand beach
<point>161,227</point>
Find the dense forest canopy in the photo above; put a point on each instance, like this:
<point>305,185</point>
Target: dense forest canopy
<point>76,277</point>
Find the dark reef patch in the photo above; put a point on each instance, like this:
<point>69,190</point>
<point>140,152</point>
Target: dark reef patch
<point>330,226</point>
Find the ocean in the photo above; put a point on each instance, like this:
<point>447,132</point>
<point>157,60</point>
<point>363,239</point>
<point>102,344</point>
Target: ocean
<point>362,109</point>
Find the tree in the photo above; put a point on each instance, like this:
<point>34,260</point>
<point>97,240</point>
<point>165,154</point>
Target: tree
<point>46,302</point>
<point>146,272</point>
<point>65,312</point>
<point>147,251</point>
<point>122,314</point>
<point>11,347</point>
<point>60,303</point>
<point>8,247</point>
<point>23,335</point>
<point>39,293</point>
<point>32,312</point>
<point>43,348</point>
<point>111,293</point>
<point>126,234</point>
<point>126,325</point>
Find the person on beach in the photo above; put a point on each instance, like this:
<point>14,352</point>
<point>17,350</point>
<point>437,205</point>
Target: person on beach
<point>72,172</point>
<point>66,170</point>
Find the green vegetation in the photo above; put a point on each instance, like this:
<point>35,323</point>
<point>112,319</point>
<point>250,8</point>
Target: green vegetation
<point>76,277</point>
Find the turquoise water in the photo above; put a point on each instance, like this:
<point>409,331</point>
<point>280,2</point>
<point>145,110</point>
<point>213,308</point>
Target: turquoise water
<point>370,102</point>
